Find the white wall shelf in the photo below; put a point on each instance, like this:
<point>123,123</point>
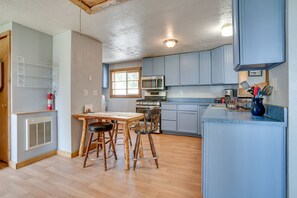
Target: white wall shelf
<point>32,75</point>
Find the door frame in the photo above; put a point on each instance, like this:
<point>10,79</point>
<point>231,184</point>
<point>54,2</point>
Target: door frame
<point>8,73</point>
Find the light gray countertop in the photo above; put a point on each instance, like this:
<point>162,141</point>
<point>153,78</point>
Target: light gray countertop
<point>214,114</point>
<point>189,101</point>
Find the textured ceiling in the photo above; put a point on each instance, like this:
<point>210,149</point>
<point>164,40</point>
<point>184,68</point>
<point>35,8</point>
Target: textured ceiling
<point>131,30</point>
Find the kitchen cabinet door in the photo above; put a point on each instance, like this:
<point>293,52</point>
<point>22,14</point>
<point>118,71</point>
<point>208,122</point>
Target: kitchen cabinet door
<point>172,70</point>
<point>188,122</point>
<point>231,76</point>
<point>168,125</point>
<point>158,66</point>
<point>259,33</point>
<point>147,67</point>
<point>189,69</point>
<point>105,76</point>
<point>217,63</point>
<point>205,68</point>
<point>202,110</point>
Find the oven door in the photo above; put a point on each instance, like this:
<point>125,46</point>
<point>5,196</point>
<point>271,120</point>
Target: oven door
<point>153,83</point>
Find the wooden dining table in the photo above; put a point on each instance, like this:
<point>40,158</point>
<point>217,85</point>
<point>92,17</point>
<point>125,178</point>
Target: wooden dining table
<point>126,118</point>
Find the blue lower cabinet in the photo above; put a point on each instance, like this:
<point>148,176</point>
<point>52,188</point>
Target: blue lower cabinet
<point>243,160</point>
<point>187,122</point>
<point>182,119</point>
<point>168,125</point>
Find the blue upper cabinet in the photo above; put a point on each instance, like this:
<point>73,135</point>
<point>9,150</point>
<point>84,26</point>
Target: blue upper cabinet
<point>217,61</point>
<point>172,70</point>
<point>259,34</point>
<point>105,76</point>
<point>189,69</point>
<point>153,66</point>
<point>231,76</point>
<point>147,67</point>
<point>205,68</point>
<point>222,66</point>
<point>158,66</point>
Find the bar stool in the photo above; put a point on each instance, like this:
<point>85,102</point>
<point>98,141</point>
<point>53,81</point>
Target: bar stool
<point>100,128</point>
<point>116,130</point>
<point>148,129</point>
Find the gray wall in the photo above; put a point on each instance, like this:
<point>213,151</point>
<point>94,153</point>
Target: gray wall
<point>78,57</point>
<point>62,58</point>
<point>35,47</point>
<point>86,60</point>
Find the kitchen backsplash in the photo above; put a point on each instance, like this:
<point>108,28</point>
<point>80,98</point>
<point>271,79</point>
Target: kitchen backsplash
<point>198,91</point>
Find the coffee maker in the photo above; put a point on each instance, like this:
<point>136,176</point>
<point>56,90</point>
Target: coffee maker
<point>229,93</point>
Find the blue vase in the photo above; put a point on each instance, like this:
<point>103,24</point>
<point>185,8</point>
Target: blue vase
<point>258,108</point>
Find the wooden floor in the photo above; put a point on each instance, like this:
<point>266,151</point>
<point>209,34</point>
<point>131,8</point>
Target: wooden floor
<point>179,174</point>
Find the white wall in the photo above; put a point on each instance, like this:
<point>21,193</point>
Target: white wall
<point>86,61</point>
<point>35,47</point>
<point>199,91</point>
<point>121,104</point>
<point>78,57</point>
<point>292,70</point>
<point>62,59</point>
<point>279,95</point>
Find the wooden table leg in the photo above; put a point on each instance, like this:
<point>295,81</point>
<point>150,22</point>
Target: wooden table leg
<point>126,146</point>
<point>83,137</point>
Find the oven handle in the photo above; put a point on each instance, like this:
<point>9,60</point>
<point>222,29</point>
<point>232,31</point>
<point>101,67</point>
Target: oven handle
<point>147,107</point>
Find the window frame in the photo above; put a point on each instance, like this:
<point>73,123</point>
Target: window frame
<point>127,70</point>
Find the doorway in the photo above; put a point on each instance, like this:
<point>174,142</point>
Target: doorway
<point>4,96</point>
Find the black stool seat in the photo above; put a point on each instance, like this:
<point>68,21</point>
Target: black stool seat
<point>100,127</point>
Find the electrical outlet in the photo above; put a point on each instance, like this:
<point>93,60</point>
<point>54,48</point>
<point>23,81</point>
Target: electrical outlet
<point>85,92</point>
<point>95,92</point>
<point>88,108</point>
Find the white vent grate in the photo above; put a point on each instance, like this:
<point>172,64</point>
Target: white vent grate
<point>38,132</point>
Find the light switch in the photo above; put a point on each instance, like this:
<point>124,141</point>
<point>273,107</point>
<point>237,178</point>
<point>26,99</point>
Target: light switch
<point>90,77</point>
<point>85,92</point>
<point>95,92</point>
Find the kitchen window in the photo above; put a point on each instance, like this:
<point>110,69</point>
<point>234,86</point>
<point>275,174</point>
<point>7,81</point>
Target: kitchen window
<point>125,83</point>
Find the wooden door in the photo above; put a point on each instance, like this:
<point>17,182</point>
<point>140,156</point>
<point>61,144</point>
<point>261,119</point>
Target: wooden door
<point>4,90</point>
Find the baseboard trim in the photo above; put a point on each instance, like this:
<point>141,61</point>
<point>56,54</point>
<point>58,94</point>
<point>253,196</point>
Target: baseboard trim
<point>74,154</point>
<point>18,165</point>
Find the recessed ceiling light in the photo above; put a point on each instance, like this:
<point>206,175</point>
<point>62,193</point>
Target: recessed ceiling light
<point>170,42</point>
<point>227,30</point>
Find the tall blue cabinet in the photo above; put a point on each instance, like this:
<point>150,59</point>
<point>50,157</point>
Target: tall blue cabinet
<point>258,34</point>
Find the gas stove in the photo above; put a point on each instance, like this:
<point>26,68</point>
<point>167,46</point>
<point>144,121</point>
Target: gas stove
<point>151,100</point>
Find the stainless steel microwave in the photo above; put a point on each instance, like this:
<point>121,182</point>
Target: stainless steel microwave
<point>153,83</point>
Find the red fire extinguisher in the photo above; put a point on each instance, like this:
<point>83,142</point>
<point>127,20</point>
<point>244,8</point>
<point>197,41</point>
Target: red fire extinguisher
<point>50,101</point>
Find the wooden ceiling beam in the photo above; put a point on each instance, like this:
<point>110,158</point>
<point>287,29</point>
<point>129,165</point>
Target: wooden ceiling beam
<point>82,5</point>
<point>93,6</point>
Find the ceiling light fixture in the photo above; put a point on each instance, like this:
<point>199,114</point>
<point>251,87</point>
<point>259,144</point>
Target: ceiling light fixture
<point>227,30</point>
<point>170,42</point>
